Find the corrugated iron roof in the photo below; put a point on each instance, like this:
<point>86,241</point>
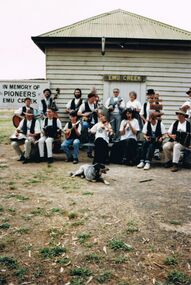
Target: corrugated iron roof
<point>120,24</point>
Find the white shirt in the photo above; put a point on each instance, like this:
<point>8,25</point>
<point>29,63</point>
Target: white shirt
<point>116,109</point>
<point>153,128</point>
<point>133,105</point>
<point>47,101</point>
<point>79,128</point>
<point>92,108</point>
<point>181,127</point>
<point>37,129</point>
<point>128,133</point>
<point>100,132</point>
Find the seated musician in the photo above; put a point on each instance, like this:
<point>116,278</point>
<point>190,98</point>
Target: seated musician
<point>75,103</point>
<point>27,133</point>
<point>154,132</point>
<point>51,127</point>
<point>179,134</point>
<point>88,112</point>
<point>23,109</point>
<point>103,131</point>
<point>72,131</point>
<point>128,140</point>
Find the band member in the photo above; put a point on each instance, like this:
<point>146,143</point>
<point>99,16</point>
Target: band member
<point>186,107</point>
<point>135,105</point>
<point>51,129</point>
<point>72,131</point>
<point>179,134</point>
<point>23,109</point>
<point>75,103</point>
<point>115,105</point>
<point>88,113</point>
<point>145,109</point>
<point>45,102</point>
<point>103,131</point>
<point>128,140</point>
<point>27,133</point>
<point>154,132</point>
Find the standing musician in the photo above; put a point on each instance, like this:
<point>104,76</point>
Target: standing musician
<point>75,103</point>
<point>179,134</point>
<point>88,112</point>
<point>115,105</point>
<point>145,109</point>
<point>27,133</point>
<point>154,132</point>
<point>45,102</point>
<point>72,131</point>
<point>51,130</point>
<point>103,131</point>
<point>135,105</point>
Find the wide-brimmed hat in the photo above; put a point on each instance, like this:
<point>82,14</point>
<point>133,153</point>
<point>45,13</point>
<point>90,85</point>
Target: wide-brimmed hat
<point>189,91</point>
<point>150,92</point>
<point>180,112</point>
<point>29,112</point>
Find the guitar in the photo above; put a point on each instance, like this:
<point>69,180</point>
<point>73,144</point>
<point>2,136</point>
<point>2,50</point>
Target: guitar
<point>67,132</point>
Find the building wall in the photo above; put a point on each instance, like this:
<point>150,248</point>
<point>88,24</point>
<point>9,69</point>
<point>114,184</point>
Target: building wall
<point>168,72</point>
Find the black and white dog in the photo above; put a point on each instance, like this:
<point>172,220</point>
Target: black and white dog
<point>92,172</point>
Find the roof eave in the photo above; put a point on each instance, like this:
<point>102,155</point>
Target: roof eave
<point>95,42</point>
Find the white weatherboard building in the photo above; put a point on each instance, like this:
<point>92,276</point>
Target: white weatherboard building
<point>119,49</point>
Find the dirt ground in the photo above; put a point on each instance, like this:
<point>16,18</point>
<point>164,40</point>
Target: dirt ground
<point>61,230</point>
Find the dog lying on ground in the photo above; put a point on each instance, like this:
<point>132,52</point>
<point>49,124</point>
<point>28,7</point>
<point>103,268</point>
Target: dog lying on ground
<point>92,172</point>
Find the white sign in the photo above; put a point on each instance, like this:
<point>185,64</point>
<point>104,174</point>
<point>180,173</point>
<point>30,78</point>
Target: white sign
<point>13,93</point>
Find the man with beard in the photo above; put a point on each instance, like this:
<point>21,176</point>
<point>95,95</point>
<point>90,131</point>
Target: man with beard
<point>75,103</point>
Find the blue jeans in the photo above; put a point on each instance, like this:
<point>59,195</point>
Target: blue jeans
<point>65,146</point>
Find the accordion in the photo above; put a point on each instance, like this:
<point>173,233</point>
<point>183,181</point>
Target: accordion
<point>50,131</point>
<point>183,138</point>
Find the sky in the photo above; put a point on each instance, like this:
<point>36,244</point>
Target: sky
<point>20,58</point>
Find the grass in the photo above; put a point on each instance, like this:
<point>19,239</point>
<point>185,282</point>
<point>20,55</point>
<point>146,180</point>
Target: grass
<point>132,227</point>
<point>72,215</point>
<point>93,258</point>
<point>170,260</point>
<point>83,237</point>
<point>23,230</point>
<point>120,259</point>
<point>5,226</point>
<point>64,261</point>
<point>50,252</point>
<point>8,262</point>
<point>175,222</point>
<point>80,271</point>
<point>178,278</point>
<point>119,245</point>
<point>104,277</point>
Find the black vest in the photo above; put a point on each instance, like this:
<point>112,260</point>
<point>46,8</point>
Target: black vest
<point>94,114</point>
<point>24,108</point>
<point>157,132</point>
<point>44,106</point>
<point>75,107</point>
<point>73,134</point>
<point>24,127</point>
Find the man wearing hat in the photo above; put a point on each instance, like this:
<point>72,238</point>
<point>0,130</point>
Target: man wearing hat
<point>29,129</point>
<point>186,107</point>
<point>179,134</point>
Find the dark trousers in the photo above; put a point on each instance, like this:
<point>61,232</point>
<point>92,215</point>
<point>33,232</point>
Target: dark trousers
<point>148,150</point>
<point>129,147</point>
<point>101,151</point>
